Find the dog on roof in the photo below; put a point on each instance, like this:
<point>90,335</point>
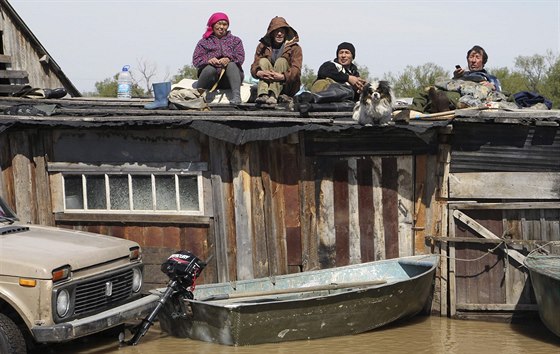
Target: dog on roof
<point>375,106</point>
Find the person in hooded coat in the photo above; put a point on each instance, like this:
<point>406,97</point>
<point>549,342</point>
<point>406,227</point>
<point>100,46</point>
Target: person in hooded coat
<point>278,61</point>
<point>218,54</point>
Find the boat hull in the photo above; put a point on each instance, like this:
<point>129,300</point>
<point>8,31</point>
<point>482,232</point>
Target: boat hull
<point>544,271</point>
<point>297,316</point>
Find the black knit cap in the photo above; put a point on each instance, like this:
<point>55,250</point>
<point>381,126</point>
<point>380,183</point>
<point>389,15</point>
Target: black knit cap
<point>349,46</point>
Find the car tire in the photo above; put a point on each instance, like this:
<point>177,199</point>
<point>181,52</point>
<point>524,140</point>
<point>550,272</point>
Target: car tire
<point>11,338</point>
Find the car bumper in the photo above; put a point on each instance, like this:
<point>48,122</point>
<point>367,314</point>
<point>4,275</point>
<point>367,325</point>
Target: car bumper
<point>61,332</point>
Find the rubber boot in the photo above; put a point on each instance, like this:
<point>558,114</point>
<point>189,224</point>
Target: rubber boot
<point>161,91</point>
<point>235,96</point>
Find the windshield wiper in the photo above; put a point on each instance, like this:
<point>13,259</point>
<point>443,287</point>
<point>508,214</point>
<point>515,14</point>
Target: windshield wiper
<point>7,219</point>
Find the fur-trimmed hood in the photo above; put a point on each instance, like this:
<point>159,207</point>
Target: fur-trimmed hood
<point>276,23</point>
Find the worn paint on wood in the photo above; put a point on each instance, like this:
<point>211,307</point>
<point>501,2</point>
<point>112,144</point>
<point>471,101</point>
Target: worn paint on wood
<point>256,208</point>
<point>480,282</point>
<point>378,210</point>
<point>405,205</point>
<point>243,215</point>
<point>292,204</point>
<point>326,219</point>
<point>308,211</point>
<point>366,210</point>
<point>355,256</point>
<point>389,178</point>
<point>341,211</point>
<point>505,185</point>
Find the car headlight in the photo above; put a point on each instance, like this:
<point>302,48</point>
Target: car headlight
<point>136,280</point>
<point>62,303</point>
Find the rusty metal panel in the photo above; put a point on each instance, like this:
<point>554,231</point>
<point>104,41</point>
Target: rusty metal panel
<point>341,217</point>
<point>390,206</point>
<point>366,209</point>
<point>292,204</point>
<point>273,237</point>
<point>257,211</point>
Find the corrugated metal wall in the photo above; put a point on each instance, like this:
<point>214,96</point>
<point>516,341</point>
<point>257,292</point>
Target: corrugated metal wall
<point>505,147</point>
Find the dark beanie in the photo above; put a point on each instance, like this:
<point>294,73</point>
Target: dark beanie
<point>349,46</point>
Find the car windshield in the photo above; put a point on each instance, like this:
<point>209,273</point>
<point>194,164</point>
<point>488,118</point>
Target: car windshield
<point>6,214</point>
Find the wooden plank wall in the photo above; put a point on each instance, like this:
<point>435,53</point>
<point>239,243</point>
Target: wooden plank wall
<point>526,214</point>
<point>318,212</point>
<point>276,209</point>
<point>25,57</point>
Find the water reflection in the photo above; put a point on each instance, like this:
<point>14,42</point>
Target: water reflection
<point>421,334</point>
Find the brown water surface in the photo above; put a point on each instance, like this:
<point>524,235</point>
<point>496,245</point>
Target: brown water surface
<point>422,334</point>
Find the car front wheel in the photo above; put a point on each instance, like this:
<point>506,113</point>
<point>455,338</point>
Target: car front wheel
<point>11,338</point>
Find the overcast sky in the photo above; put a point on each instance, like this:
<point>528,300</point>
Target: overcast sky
<point>92,39</point>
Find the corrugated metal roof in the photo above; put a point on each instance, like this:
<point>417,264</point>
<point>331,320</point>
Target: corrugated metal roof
<point>478,147</point>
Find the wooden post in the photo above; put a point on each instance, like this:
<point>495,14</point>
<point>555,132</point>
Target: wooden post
<point>452,265</point>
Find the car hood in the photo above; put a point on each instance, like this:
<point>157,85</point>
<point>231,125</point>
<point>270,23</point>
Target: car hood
<point>34,251</point>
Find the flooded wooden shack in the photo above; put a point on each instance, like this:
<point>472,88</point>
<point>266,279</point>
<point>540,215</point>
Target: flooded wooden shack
<point>264,193</point>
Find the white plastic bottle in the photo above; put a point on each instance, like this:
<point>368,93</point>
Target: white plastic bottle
<point>124,89</point>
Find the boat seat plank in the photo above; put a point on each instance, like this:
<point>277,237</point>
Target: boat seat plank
<point>296,290</point>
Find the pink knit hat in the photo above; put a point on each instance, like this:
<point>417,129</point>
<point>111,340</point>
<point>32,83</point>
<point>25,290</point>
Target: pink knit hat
<point>218,16</point>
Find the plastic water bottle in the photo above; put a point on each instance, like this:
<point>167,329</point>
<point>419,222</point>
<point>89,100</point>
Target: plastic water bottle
<point>124,80</point>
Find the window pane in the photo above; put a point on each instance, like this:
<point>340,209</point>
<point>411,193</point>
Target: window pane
<point>142,192</point>
<point>165,193</point>
<point>73,192</point>
<point>96,198</point>
<point>118,189</point>
<point>188,192</point>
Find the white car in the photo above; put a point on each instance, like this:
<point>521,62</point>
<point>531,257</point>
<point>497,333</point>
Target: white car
<point>59,284</point>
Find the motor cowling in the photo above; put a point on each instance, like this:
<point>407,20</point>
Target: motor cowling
<point>184,267</point>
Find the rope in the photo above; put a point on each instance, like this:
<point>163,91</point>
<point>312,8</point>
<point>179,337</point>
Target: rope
<point>478,258</point>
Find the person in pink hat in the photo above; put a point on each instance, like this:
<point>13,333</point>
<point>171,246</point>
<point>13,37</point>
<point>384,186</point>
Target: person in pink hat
<point>219,57</point>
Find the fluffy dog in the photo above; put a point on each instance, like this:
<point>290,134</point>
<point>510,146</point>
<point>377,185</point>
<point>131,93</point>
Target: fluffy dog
<point>375,105</point>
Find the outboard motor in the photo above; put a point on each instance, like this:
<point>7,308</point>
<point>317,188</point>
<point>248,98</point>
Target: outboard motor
<point>182,268</point>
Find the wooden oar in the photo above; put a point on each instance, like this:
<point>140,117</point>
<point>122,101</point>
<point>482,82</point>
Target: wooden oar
<point>334,286</point>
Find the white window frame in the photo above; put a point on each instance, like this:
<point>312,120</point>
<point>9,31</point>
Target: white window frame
<point>130,170</point>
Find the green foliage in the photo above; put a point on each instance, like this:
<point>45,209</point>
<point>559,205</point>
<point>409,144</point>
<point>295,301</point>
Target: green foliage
<point>187,72</point>
<point>414,79</point>
<point>307,77</point>
<point>533,69</point>
<point>551,86</point>
<point>108,88</point>
<point>511,81</point>
<point>364,71</point>
<point>537,73</point>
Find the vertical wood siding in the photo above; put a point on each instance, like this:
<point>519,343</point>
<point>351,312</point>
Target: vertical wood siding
<point>275,210</point>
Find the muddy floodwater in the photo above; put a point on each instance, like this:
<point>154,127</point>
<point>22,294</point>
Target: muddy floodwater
<point>421,334</point>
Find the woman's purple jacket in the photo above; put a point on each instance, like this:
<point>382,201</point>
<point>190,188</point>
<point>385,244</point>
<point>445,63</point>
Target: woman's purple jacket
<point>228,46</point>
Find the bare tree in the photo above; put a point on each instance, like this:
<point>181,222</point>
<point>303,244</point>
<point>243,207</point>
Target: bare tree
<point>147,70</point>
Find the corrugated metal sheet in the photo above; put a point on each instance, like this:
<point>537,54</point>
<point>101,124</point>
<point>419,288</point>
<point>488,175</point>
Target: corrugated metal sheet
<point>505,147</point>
